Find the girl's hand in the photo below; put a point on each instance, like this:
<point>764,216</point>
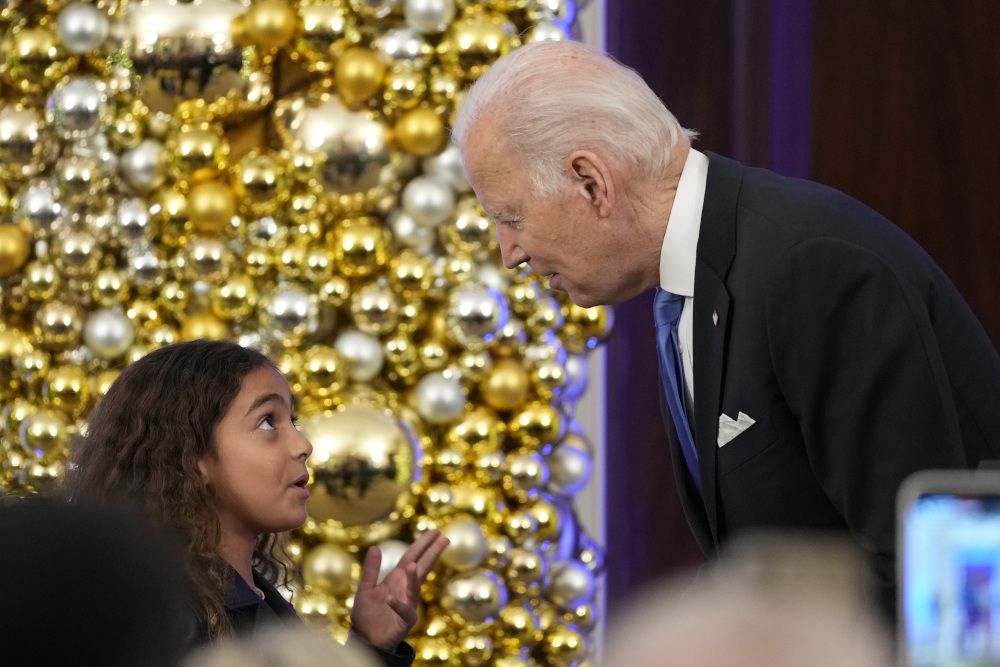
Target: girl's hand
<point>384,613</point>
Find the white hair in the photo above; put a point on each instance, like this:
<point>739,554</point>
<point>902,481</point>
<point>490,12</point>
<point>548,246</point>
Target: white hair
<point>553,98</point>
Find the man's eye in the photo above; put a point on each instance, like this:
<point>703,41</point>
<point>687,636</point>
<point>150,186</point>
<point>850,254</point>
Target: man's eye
<point>267,423</point>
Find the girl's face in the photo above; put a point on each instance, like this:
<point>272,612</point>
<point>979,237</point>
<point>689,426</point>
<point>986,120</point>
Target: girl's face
<point>258,468</point>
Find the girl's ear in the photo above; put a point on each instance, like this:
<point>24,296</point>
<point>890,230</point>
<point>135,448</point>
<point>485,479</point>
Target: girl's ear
<point>203,468</point>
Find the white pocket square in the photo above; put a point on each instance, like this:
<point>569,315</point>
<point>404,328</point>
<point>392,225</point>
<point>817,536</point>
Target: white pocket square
<point>729,428</point>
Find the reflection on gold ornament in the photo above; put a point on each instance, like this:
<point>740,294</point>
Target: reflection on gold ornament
<point>356,166</point>
<point>474,596</point>
<point>27,143</point>
<point>472,43</point>
<point>188,60</point>
<point>34,58</point>
<point>362,462</point>
<point>328,29</point>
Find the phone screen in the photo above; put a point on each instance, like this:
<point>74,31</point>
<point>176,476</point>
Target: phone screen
<point>951,579</point>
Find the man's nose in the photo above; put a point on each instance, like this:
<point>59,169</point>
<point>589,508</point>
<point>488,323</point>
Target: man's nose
<point>513,255</point>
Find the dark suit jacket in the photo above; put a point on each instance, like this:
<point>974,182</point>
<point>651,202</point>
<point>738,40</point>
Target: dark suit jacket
<point>854,353</point>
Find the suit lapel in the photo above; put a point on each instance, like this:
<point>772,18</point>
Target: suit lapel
<point>716,249</point>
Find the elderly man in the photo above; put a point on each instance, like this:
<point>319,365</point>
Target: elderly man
<point>813,355</point>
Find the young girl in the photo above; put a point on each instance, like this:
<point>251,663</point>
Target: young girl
<point>202,435</point>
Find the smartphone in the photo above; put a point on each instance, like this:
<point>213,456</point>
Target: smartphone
<point>948,560</point>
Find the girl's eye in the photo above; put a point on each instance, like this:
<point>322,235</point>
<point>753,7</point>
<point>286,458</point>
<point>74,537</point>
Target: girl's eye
<point>266,424</point>
<point>295,422</point>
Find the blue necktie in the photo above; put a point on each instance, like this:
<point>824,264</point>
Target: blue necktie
<point>666,313</point>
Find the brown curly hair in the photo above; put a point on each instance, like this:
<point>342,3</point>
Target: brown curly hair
<point>143,444</point>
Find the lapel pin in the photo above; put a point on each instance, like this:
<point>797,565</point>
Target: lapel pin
<point>715,318</point>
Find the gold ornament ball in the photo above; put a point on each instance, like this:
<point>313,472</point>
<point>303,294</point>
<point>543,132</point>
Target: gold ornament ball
<point>204,324</point>
<point>359,74</point>
<point>259,181</point>
<point>14,415</point>
<point>475,648</point>
<point>35,58</point>
<point>110,287</point>
<point>14,249</point>
<point>467,543</point>
<point>270,24</point>
<point>44,435</point>
<point>362,463</point>
<point>27,142</point>
<point>519,526</point>
<point>514,660</point>
<point>479,428</point>
<point>359,246</point>
<point>411,274</point>
<point>526,571</point>
<point>173,297</point>
<point>211,206</point>
<point>329,568</point>
<point>102,382</point>
<point>506,386</point>
<point>537,424</point>
<point>144,314</point>
<point>421,132</point>
<point>548,518</point>
<point>235,298</point>
<point>447,464</point>
<point>329,28</point>
<point>518,627</point>
<point>438,500</point>
<point>78,254</point>
<point>316,608</point>
<point>43,478</point>
<point>547,316</point>
<point>57,325</point>
<point>527,473</point>
<point>564,645</point>
<point>482,503</point>
<point>403,88</point>
<point>475,596</point>
<point>67,388</point>
<point>33,365</point>
<point>498,550</point>
<point>474,42</point>
<point>435,652</point>
<point>548,377</point>
<point>323,371</point>
<point>490,466</point>
<point>168,211</point>
<point>374,308</point>
<point>523,296</point>
<point>197,152</point>
<point>207,257</point>
<point>41,279</point>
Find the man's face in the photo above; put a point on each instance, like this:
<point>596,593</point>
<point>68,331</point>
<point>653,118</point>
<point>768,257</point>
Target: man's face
<point>560,236</point>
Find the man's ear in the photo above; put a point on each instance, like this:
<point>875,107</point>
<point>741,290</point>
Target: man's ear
<point>593,174</point>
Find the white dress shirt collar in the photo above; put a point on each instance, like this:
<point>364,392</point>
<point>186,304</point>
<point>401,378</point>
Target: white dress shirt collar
<point>680,242</point>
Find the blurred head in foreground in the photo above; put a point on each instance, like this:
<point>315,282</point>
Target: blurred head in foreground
<point>772,601</point>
